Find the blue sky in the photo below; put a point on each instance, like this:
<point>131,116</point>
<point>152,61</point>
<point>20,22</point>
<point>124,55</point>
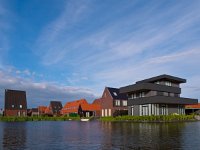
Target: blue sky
<point>66,49</point>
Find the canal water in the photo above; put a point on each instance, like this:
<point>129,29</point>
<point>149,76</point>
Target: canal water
<point>99,135</point>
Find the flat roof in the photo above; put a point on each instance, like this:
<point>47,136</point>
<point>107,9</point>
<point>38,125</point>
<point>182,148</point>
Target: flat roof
<point>164,76</point>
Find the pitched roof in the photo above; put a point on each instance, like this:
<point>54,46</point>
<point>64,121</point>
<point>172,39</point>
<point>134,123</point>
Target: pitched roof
<point>116,94</point>
<point>72,107</point>
<point>196,106</point>
<point>90,107</point>
<point>161,77</point>
<point>47,110</point>
<point>15,99</point>
<point>42,108</point>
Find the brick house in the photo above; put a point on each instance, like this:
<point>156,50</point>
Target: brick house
<point>42,109</point>
<point>15,103</point>
<point>98,102</point>
<point>113,103</point>
<point>72,107</point>
<point>81,107</point>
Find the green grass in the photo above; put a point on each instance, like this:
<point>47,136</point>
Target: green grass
<point>38,118</point>
<point>161,118</point>
<point>169,118</point>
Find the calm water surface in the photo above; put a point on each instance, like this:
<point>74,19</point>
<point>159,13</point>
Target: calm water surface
<point>99,135</point>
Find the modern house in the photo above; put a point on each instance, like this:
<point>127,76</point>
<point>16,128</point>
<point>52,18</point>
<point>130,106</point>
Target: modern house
<point>158,95</point>
<point>15,103</point>
<point>189,109</point>
<point>80,107</point>
<point>113,103</point>
<point>54,108</point>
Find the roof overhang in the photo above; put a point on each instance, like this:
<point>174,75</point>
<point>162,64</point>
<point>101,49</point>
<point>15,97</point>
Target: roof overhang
<point>164,77</point>
<point>149,86</point>
<point>162,100</point>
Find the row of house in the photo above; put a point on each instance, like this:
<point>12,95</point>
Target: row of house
<point>159,95</point>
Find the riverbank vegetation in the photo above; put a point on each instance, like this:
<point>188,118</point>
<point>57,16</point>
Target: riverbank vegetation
<point>38,118</point>
<point>161,118</point>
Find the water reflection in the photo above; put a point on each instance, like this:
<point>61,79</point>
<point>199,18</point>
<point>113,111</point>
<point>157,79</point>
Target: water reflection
<point>97,135</point>
<point>142,135</point>
<point>14,136</point>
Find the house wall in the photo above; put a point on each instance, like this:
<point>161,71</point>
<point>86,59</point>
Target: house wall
<point>15,112</point>
<point>173,84</point>
<point>135,110</point>
<point>35,114</point>
<point>108,104</point>
<point>172,108</point>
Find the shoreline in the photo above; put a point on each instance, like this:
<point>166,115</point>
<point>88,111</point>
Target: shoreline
<point>136,119</point>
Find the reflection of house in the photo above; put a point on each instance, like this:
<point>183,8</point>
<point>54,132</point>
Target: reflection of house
<point>156,96</point>
<point>41,110</point>
<point>192,109</point>
<point>54,108</point>
<point>113,103</point>
<point>15,103</point>
<point>81,107</point>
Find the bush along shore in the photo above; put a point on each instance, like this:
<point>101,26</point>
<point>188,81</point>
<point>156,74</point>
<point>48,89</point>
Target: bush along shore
<point>161,118</point>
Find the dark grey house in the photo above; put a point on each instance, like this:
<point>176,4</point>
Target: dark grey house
<point>159,95</point>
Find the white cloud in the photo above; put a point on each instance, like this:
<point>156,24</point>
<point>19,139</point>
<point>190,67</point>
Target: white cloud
<point>52,43</point>
<point>40,93</point>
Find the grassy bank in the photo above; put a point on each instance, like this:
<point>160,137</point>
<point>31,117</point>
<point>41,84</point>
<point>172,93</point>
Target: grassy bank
<point>168,118</point>
<point>38,118</point>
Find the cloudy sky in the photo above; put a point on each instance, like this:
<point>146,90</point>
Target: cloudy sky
<point>67,49</point>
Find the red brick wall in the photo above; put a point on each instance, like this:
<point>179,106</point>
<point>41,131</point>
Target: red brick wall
<point>15,112</point>
<point>108,103</point>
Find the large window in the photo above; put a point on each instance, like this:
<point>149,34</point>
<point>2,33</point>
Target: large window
<point>117,103</point>
<point>167,83</point>
<point>142,94</point>
<point>164,109</point>
<point>181,110</point>
<point>124,103</point>
<point>145,111</point>
<point>157,82</point>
